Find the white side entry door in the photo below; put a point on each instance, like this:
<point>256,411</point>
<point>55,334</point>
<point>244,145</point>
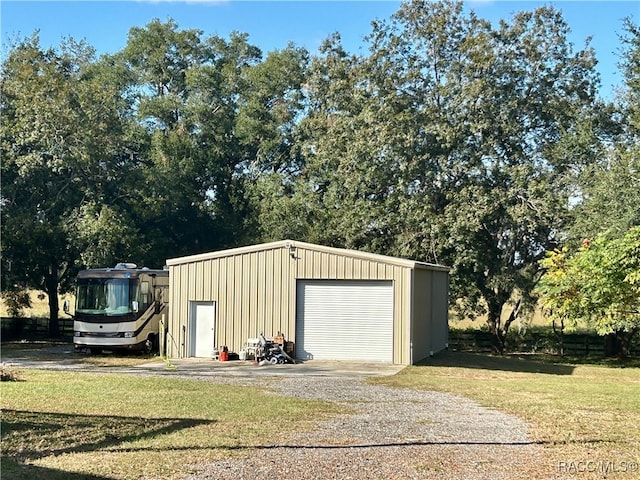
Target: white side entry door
<point>203,315</point>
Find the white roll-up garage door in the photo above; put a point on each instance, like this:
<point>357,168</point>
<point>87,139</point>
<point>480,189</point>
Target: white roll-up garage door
<point>344,320</point>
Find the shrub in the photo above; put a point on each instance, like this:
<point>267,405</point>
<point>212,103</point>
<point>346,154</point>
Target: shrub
<point>7,374</point>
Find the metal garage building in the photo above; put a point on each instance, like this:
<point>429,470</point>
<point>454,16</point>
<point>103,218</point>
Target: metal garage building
<point>332,303</point>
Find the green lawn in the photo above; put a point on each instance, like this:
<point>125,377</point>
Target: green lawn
<point>63,425</point>
<point>578,413</point>
<point>66,425</point>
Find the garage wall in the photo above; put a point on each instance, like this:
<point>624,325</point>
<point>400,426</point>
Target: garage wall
<point>430,326</point>
<point>440,311</point>
<point>254,290</point>
<point>252,294</point>
<point>421,322</point>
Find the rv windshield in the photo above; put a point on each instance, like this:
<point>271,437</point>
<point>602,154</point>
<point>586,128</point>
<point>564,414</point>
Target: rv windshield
<point>106,296</point>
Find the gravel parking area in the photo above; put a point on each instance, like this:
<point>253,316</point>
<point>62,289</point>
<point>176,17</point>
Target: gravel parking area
<point>393,433</point>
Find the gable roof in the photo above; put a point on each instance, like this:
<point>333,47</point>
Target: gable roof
<point>308,246</point>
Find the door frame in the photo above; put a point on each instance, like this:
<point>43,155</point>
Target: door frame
<point>193,326</point>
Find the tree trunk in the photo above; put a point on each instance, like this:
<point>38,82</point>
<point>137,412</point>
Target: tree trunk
<point>51,285</point>
<point>493,321</point>
<point>559,333</point>
<point>624,341</point>
<point>515,313</point>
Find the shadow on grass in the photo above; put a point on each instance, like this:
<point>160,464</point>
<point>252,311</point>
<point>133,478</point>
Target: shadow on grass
<point>12,469</point>
<point>65,354</point>
<point>349,446</point>
<point>23,433</point>
<point>506,363</point>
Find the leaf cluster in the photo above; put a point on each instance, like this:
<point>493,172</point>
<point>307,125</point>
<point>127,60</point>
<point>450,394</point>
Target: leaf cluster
<point>599,283</point>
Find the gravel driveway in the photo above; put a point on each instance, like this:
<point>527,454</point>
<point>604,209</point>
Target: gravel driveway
<point>393,434</point>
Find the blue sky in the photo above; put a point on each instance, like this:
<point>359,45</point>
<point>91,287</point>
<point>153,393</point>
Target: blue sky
<point>272,24</point>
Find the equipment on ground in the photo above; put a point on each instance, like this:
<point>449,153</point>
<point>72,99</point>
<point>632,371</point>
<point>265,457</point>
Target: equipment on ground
<point>272,352</point>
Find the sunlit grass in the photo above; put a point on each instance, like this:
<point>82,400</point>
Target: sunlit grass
<point>576,412</point>
<point>39,305</point>
<point>121,426</point>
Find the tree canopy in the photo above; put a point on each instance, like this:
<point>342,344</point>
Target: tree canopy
<point>61,130</point>
<point>443,144</point>
<point>598,284</point>
<point>595,277</point>
<point>450,140</point>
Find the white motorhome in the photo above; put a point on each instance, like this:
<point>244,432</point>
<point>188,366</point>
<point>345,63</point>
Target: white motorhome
<point>119,308</point>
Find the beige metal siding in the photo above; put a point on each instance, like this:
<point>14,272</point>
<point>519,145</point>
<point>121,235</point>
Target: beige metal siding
<point>422,315</point>
<point>254,289</point>
<point>251,292</point>
<point>430,328</point>
<point>440,311</point>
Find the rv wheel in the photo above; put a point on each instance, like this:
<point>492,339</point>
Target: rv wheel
<point>150,344</point>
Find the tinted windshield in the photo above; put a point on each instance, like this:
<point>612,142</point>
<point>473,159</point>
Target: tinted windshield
<point>107,296</point>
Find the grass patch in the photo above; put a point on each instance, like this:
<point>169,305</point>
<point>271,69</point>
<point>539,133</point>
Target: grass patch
<point>61,425</point>
<point>579,413</point>
<point>51,351</point>
<point>39,305</point>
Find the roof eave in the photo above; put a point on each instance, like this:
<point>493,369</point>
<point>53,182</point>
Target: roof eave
<point>309,246</point>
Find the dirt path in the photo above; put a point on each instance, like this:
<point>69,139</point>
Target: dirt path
<point>393,433</point>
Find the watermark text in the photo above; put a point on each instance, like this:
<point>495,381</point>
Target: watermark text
<point>597,466</point>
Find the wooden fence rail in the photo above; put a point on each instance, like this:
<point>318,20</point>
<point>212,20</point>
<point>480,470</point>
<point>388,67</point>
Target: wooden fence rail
<point>19,328</point>
<point>538,341</point>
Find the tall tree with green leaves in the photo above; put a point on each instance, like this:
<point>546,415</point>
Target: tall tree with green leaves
<point>61,124</point>
<point>169,199</point>
<point>440,145</point>
<point>217,115</point>
<point>608,195</point>
<point>510,205</point>
<point>597,282</point>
